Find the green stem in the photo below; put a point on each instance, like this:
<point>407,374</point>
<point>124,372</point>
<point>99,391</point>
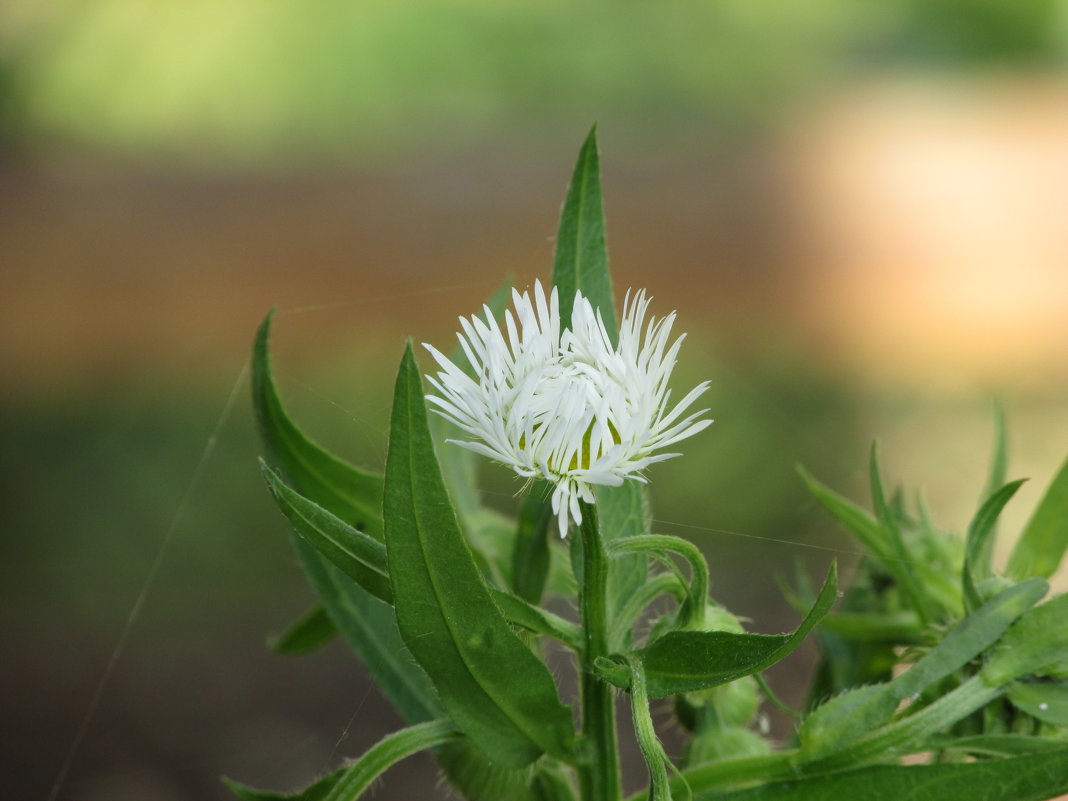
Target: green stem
<point>655,758</point>
<point>599,776</point>
<point>644,595</point>
<point>694,612</point>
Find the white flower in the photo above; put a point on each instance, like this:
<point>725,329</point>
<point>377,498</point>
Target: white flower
<point>567,406</point>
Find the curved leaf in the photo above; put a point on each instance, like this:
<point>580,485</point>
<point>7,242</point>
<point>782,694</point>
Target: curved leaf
<point>352,494</point>
<point>979,543</point>
<point>493,687</point>
<point>684,661</point>
<point>360,557</point>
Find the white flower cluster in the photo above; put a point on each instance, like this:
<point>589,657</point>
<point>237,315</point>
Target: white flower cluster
<point>567,406</point>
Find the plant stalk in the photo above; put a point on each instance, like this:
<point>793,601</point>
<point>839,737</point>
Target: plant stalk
<point>599,775</point>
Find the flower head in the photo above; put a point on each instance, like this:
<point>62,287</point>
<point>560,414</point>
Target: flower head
<point>567,405</point>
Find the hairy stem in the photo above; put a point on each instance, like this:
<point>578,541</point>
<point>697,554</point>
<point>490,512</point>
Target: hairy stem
<point>599,775</point>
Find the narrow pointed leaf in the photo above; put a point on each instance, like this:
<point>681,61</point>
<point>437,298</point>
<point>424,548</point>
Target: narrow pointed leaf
<point>863,526</point>
<point>361,558</point>
<point>581,260</point>
<point>314,630</point>
<point>900,565</point>
<point>979,543</point>
<point>684,661</point>
<point>530,557</point>
<point>352,494</point>
<point>623,512</point>
<point>1034,777</point>
<point>1045,538</point>
<point>493,687</point>
<point>1037,643</point>
<point>999,456</point>
<point>369,627</point>
<point>847,717</point>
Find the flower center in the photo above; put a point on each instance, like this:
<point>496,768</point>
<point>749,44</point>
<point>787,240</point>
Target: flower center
<point>562,411</point>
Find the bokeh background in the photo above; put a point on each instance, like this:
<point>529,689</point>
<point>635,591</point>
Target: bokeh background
<point>859,210</point>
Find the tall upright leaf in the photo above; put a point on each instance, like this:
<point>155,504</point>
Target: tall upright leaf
<point>1045,538</point>
<point>581,260</point>
<point>581,264</point>
<point>979,543</point>
<point>491,684</point>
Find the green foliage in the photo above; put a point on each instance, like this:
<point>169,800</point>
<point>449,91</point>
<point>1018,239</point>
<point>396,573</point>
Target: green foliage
<point>684,661</point>
<point>581,260</point>
<point>352,494</point>
<point>494,688</point>
<point>442,598</point>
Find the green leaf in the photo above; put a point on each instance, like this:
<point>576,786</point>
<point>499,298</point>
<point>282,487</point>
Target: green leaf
<point>623,512</point>
<point>684,661</point>
<point>581,264</point>
<point>493,687</point>
<point>979,544</point>
<point>1037,643</point>
<point>997,745</point>
<point>844,719</point>
<point>314,630</point>
<point>316,791</point>
<point>530,558</point>
<point>350,493</point>
<point>354,496</point>
<point>349,783</point>
<point>358,776</point>
<point>1034,777</point>
<point>1045,700</point>
<point>362,558</point>
<point>370,628</point>
<point>581,260</point>
<point>478,779</point>
<point>889,627</point>
<point>1045,538</point>
<point>999,457</point>
<point>900,565</point>
<point>863,526</point>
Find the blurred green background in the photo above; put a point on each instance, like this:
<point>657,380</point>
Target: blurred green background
<point>856,209</point>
